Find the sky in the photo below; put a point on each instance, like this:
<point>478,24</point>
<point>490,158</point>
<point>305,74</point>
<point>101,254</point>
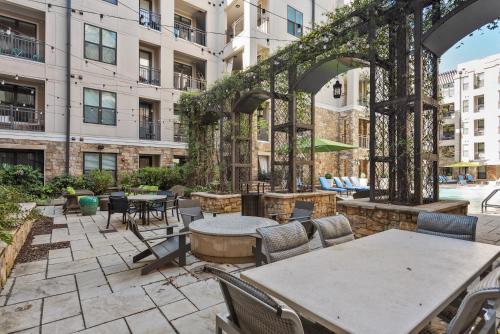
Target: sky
<point>483,43</point>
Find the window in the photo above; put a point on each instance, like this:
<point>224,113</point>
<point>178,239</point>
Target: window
<point>448,132</point>
<point>465,84</point>
<point>465,130</point>
<point>481,172</point>
<point>18,28</point>
<point>479,103</point>
<point>448,89</point>
<point>478,151</point>
<point>448,110</point>
<point>114,2</point>
<point>448,151</point>
<point>479,127</point>
<point>263,168</point>
<point>180,133</point>
<point>99,107</point>
<point>478,80</point>
<point>22,157</point>
<point>100,161</point>
<point>465,105</point>
<point>295,19</point>
<point>19,96</point>
<point>100,44</point>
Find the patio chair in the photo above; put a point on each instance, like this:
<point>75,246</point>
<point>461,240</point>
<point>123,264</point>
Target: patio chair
<point>166,248</point>
<point>447,225</point>
<point>477,311</point>
<point>340,184</point>
<point>280,242</point>
<point>119,204</point>
<point>251,310</point>
<point>117,194</point>
<point>334,230</point>
<point>348,184</point>
<point>162,207</point>
<point>190,210</point>
<point>355,181</point>
<point>178,190</point>
<point>470,178</point>
<point>325,186</point>
<point>302,212</point>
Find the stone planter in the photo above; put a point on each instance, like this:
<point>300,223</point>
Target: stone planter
<point>8,253</point>
<point>88,205</point>
<point>220,203</point>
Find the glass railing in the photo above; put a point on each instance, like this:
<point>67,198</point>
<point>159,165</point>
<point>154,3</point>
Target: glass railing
<point>22,47</point>
<point>186,82</point>
<point>21,118</point>
<point>150,130</point>
<point>190,33</point>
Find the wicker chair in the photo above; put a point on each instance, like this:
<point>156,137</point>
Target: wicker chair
<point>446,225</point>
<point>477,312</point>
<point>283,241</point>
<point>252,311</point>
<point>302,212</point>
<point>334,230</point>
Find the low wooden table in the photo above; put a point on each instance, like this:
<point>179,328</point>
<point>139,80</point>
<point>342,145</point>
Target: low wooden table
<point>227,238</point>
<point>391,282</point>
<point>143,202</point>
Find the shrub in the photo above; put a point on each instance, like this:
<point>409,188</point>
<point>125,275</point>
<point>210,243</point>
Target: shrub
<point>328,176</point>
<point>24,178</point>
<point>58,184</point>
<point>163,177</point>
<point>97,181</point>
<point>10,196</point>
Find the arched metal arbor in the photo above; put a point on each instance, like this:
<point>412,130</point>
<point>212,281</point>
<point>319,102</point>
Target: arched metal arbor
<point>401,41</point>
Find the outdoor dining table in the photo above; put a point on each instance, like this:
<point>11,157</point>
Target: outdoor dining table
<point>390,282</point>
<point>144,202</point>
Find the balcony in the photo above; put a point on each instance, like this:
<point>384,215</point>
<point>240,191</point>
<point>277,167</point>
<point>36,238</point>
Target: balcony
<point>479,132</point>
<point>190,33</point>
<point>149,76</point>
<point>22,47</point>
<point>236,28</point>
<point>180,133</point>
<point>479,156</point>
<point>21,118</point>
<point>364,141</point>
<point>479,108</point>
<point>447,136</point>
<point>188,83</point>
<point>150,19</point>
<point>150,130</point>
<point>262,21</point>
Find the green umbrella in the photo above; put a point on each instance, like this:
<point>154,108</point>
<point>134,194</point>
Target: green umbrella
<point>326,145</point>
<point>463,164</point>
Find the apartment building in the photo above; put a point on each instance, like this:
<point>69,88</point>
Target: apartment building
<point>470,130</point>
<point>128,63</point>
<point>109,100</point>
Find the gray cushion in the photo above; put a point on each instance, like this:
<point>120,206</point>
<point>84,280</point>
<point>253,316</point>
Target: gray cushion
<point>334,230</point>
<point>446,225</point>
<point>284,241</point>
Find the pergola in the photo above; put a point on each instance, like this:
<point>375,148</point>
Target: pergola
<point>400,41</point>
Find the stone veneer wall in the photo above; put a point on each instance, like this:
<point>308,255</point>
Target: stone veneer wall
<point>367,218</point>
<point>324,203</point>
<point>218,203</point>
<point>127,159</point>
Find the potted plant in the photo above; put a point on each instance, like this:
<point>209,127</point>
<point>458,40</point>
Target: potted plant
<point>363,180</point>
<point>98,182</point>
<point>329,179</point>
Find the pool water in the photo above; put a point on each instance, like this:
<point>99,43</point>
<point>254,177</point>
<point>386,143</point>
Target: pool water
<point>475,194</point>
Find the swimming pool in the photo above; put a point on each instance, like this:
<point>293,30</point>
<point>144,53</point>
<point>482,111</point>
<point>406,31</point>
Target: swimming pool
<point>475,194</point>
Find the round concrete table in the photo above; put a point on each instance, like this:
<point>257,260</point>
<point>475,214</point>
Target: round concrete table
<point>226,239</point>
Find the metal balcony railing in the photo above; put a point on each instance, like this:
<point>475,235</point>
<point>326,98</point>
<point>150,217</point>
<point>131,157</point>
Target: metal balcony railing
<point>479,132</point>
<point>149,75</point>
<point>262,21</point>
<point>22,47</point>
<point>447,137</point>
<point>190,33</point>
<point>186,82</point>
<point>479,108</point>
<point>21,118</point>
<point>150,19</point>
<point>150,130</point>
<point>364,141</point>
<point>479,156</point>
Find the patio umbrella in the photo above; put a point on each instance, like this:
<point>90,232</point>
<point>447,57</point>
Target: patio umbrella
<point>463,164</point>
<point>326,145</point>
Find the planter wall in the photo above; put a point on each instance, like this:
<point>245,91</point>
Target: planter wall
<point>8,253</point>
<point>367,218</point>
<point>218,203</point>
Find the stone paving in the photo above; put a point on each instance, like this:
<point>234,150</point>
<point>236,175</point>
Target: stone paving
<point>94,287</point>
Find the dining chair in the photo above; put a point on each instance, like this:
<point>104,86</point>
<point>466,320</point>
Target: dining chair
<point>447,225</point>
<point>333,230</point>
<point>280,242</point>
<point>162,207</point>
<point>302,212</point>
<point>119,204</point>
<point>254,311</point>
<point>477,311</point>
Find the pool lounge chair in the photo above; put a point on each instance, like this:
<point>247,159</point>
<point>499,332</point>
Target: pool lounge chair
<point>348,183</point>
<point>326,186</point>
<point>470,178</point>
<point>341,184</point>
<point>355,181</point>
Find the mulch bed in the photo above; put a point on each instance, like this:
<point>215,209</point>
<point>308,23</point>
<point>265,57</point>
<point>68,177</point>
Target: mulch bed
<point>31,252</point>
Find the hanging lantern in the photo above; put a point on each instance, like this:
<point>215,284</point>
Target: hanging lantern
<point>337,90</point>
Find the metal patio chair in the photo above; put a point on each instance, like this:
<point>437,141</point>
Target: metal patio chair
<point>119,204</point>
<point>447,225</point>
<point>189,211</point>
<point>160,209</point>
<point>165,247</point>
<point>302,212</point>
<point>334,230</point>
<point>253,311</point>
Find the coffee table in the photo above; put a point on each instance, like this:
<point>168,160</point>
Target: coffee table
<point>227,238</point>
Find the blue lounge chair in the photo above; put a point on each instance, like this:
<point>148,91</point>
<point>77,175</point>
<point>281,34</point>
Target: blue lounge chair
<point>470,178</point>
<point>348,183</point>
<point>341,184</point>
<point>355,181</point>
<point>326,186</point>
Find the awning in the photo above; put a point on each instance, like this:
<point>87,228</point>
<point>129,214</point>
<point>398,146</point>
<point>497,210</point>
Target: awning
<point>463,164</point>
